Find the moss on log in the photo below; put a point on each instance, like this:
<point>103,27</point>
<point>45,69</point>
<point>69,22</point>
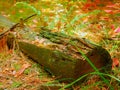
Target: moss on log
<point>57,62</point>
<point>65,66</point>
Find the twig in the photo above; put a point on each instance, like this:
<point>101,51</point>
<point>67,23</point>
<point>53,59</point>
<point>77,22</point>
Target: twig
<point>15,25</point>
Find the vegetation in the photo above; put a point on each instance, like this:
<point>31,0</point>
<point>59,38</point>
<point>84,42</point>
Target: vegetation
<point>95,20</point>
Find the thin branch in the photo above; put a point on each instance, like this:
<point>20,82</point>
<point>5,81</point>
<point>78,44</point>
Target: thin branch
<point>15,25</point>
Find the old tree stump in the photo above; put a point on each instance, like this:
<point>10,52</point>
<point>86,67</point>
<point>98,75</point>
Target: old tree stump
<point>60,53</point>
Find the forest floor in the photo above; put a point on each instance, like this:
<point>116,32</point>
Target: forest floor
<point>101,25</point>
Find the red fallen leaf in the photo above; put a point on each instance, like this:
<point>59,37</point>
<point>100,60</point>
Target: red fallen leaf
<point>115,62</point>
<point>109,11</point>
<point>112,27</point>
<point>89,5</point>
<point>99,26</point>
<point>117,30</point>
<point>24,66</point>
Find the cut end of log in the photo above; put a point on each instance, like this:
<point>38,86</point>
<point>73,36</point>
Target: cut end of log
<point>99,57</point>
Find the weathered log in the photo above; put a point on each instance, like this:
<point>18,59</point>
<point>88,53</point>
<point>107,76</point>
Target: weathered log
<point>58,63</point>
<point>65,66</point>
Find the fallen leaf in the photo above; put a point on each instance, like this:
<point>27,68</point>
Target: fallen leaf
<point>24,66</point>
<point>115,62</point>
<point>109,11</point>
<point>117,30</point>
<point>112,27</point>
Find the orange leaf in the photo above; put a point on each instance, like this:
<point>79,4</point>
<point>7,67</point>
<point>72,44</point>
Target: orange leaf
<point>115,62</point>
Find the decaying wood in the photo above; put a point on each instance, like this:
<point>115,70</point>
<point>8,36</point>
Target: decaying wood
<point>67,62</point>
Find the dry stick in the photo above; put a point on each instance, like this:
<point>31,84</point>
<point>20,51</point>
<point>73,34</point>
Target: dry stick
<point>83,42</point>
<point>14,26</point>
